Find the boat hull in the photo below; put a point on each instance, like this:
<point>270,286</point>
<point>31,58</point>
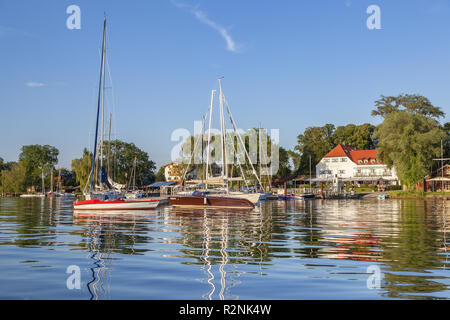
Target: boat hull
<point>210,202</point>
<point>252,197</point>
<point>116,204</point>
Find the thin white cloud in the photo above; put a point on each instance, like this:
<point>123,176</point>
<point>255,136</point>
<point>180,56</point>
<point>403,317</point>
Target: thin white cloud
<point>202,17</point>
<point>35,84</point>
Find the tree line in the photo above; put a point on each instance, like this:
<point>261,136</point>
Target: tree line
<point>38,161</point>
<point>408,138</point>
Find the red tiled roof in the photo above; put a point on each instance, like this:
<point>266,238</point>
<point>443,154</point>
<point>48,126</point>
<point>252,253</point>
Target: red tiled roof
<point>340,151</point>
<point>362,155</point>
<point>354,154</point>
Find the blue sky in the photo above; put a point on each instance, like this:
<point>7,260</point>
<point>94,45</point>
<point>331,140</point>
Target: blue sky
<point>287,65</point>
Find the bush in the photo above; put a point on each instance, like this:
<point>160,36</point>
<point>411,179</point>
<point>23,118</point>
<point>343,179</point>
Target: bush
<point>393,187</point>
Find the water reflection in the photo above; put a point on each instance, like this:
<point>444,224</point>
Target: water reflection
<point>104,235</point>
<point>235,254</point>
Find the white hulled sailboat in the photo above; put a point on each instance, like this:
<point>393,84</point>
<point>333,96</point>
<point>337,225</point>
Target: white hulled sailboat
<point>107,195</point>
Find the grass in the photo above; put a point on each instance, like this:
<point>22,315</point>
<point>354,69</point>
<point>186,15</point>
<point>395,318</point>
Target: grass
<point>416,194</point>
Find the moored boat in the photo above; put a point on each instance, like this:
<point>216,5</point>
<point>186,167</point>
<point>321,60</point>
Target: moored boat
<point>119,204</point>
<point>214,201</point>
<point>297,197</point>
<point>108,195</point>
<point>220,196</point>
<point>31,195</point>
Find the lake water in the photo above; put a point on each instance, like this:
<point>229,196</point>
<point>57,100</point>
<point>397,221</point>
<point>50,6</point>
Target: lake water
<point>314,249</point>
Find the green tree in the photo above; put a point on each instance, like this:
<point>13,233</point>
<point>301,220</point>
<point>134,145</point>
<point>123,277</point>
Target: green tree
<point>36,159</point>
<point>410,137</point>
<point>446,128</point>
<point>358,136</point>
<point>315,142</point>
<point>284,168</point>
<point>122,159</point>
<point>14,179</point>
<point>411,103</point>
<point>160,176</point>
<point>82,168</point>
<point>2,163</point>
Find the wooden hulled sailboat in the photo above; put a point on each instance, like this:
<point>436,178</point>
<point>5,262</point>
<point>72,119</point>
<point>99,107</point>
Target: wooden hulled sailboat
<point>107,195</point>
<point>219,198</point>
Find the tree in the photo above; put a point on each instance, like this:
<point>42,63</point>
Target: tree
<point>160,175</point>
<point>410,135</point>
<point>315,142</point>
<point>4,167</point>
<point>408,141</point>
<point>446,128</point>
<point>412,103</point>
<point>122,159</point>
<point>360,136</point>
<point>36,159</point>
<point>284,168</point>
<point>14,180</point>
<point>82,168</point>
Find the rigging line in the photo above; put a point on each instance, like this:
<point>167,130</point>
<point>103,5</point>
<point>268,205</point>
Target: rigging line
<point>113,98</point>
<point>240,139</point>
<point>209,136</point>
<point>239,163</point>
<point>98,106</point>
<point>192,153</point>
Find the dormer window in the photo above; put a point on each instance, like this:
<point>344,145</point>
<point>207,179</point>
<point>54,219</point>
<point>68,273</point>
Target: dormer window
<point>359,161</point>
<point>365,161</point>
<point>373,161</point>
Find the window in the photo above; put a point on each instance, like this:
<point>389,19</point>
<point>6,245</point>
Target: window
<point>335,159</point>
<point>341,171</point>
<point>365,161</point>
<point>327,160</point>
<point>343,159</point>
<point>359,162</point>
<point>373,161</point>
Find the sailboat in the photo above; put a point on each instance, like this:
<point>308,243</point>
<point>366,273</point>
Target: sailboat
<point>222,197</point>
<point>107,195</point>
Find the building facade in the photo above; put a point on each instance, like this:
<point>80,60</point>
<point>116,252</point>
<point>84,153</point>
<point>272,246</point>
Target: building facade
<point>348,163</point>
<point>438,180</point>
<point>171,172</point>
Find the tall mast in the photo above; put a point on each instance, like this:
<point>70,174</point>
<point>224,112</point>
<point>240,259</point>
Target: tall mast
<point>42,178</point>
<point>102,135</point>
<point>309,173</point>
<point>94,155</point>
<point>51,179</point>
<point>109,146</point>
<point>209,133</point>
<point>260,150</point>
<point>202,140</point>
<point>222,132</point>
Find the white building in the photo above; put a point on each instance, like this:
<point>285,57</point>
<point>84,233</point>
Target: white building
<point>350,164</point>
<point>171,173</point>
